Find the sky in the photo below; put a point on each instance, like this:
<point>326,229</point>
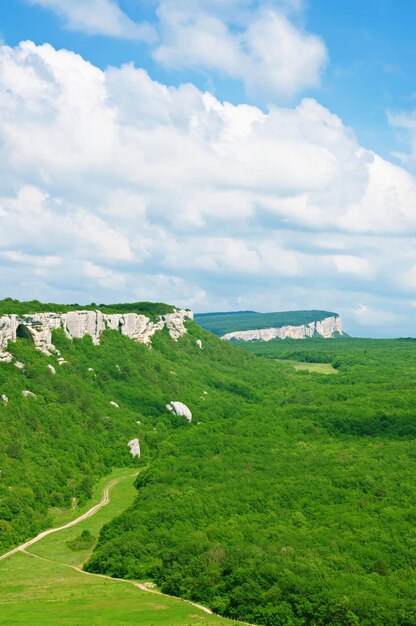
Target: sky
<point>214,154</point>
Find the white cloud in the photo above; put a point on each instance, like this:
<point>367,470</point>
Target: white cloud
<point>405,122</point>
<point>263,48</point>
<point>367,316</point>
<point>260,44</point>
<point>105,277</point>
<point>97,17</point>
<point>112,181</point>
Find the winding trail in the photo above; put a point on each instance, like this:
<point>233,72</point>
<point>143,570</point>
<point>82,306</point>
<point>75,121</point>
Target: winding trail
<point>92,511</point>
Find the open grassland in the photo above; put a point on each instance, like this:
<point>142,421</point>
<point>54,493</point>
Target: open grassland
<point>314,368</point>
<point>40,587</point>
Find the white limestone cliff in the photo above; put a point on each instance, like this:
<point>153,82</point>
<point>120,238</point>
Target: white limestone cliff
<point>328,327</point>
<point>38,327</point>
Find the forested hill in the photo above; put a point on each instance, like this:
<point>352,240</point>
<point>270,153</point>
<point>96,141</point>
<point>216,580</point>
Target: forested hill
<point>222,323</point>
<point>287,500</point>
<point>151,309</point>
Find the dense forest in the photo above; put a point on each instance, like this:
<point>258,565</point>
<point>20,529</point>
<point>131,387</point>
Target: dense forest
<point>289,499</point>
<point>222,323</point>
<point>295,508</point>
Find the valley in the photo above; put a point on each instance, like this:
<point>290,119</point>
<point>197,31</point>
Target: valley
<point>285,497</point>
<point>45,584</point>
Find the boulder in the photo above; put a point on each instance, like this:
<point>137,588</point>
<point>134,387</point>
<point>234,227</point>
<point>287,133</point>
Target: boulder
<point>134,446</point>
<point>28,394</point>
<point>180,409</point>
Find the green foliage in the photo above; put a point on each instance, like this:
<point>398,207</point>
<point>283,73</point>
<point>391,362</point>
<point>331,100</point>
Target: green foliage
<point>289,499</point>
<point>222,323</point>
<point>151,309</point>
<point>297,506</point>
<point>84,541</point>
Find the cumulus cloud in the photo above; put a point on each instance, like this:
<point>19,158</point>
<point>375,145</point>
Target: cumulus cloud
<point>97,17</point>
<point>257,44</point>
<point>116,184</point>
<point>263,45</point>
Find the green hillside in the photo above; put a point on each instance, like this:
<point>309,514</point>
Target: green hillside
<point>222,323</point>
<point>289,499</point>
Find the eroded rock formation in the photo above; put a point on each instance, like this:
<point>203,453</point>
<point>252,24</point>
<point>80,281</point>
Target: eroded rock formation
<point>78,324</point>
<point>328,327</point>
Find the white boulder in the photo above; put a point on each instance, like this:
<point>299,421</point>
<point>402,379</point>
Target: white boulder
<point>4,398</point>
<point>19,365</point>
<point>180,409</point>
<point>199,343</point>
<point>134,446</point>
<point>115,404</point>
<point>28,394</point>
<point>51,369</point>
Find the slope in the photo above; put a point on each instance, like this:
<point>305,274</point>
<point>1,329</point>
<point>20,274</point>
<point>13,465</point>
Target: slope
<point>294,508</point>
<point>44,585</point>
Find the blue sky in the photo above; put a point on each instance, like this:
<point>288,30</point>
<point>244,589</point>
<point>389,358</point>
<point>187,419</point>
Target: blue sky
<point>131,177</point>
<point>371,47</point>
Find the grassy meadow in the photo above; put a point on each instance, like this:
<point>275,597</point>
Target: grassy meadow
<point>40,588</point>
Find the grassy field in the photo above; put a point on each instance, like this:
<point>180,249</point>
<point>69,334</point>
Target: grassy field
<point>41,588</point>
<point>314,368</point>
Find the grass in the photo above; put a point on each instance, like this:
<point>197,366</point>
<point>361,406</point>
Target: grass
<point>316,368</point>
<point>41,588</point>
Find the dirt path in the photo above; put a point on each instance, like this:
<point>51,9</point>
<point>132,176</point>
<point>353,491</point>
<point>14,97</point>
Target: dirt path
<point>141,586</point>
<point>92,511</point>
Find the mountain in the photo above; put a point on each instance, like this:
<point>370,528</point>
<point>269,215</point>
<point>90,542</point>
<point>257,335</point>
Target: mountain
<point>252,326</point>
<point>271,495</point>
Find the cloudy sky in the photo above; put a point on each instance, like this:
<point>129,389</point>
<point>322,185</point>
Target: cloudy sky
<point>216,154</point>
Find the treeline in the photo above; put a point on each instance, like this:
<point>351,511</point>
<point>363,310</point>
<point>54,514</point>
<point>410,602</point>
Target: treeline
<point>9,306</point>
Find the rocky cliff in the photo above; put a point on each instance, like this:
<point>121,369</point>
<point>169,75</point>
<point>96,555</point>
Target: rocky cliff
<point>328,327</point>
<point>77,324</point>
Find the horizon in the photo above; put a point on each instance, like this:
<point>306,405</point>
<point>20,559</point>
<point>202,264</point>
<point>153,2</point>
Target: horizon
<point>207,313</point>
<point>223,156</point>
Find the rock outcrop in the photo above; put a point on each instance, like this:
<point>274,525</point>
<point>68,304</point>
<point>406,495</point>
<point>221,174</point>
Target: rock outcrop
<point>38,327</point>
<point>328,327</point>
<point>28,394</point>
<point>179,408</point>
<point>134,446</point>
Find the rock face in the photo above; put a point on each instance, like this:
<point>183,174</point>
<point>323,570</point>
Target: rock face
<point>78,324</point>
<point>179,408</point>
<point>327,327</point>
